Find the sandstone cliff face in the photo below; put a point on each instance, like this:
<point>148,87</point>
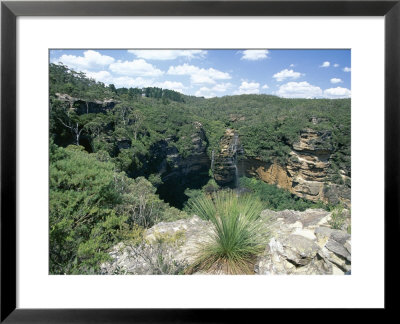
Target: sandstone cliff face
<point>197,161</point>
<point>225,166</point>
<point>306,171</point>
<point>81,106</point>
<point>309,163</point>
<point>271,173</point>
<point>179,172</point>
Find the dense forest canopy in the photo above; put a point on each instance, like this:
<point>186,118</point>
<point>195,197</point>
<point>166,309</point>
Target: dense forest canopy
<point>105,158</point>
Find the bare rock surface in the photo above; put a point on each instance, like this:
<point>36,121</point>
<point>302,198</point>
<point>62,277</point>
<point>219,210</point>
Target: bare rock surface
<point>300,243</point>
<point>168,247</point>
<point>191,232</point>
<point>303,243</point>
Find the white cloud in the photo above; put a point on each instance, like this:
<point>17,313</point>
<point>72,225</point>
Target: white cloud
<point>347,69</point>
<point>217,89</point>
<point>119,81</point>
<point>205,92</point>
<point>337,92</point>
<point>286,74</point>
<point>168,54</point>
<point>136,68</point>
<point>325,64</point>
<point>171,85</point>
<point>265,86</point>
<point>336,65</point>
<point>128,82</point>
<point>221,87</point>
<point>254,55</point>
<point>199,75</point>
<point>336,80</point>
<point>201,78</point>
<point>90,59</point>
<point>299,90</point>
<point>248,88</point>
<point>291,65</point>
<point>99,76</point>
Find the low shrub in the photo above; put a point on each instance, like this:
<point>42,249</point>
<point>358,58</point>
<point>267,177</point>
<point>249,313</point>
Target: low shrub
<point>338,218</point>
<point>276,198</point>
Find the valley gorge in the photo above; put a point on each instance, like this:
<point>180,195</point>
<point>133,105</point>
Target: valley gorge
<point>140,178</point>
<point>306,172</point>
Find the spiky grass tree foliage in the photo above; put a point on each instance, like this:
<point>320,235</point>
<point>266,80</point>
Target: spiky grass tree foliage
<point>238,235</point>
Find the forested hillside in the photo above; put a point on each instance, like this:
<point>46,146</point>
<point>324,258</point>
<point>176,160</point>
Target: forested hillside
<point>122,160</point>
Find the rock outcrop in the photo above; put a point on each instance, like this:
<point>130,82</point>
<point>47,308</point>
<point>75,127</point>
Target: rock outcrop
<point>168,248</point>
<point>271,173</point>
<point>303,243</point>
<point>225,168</point>
<point>300,243</point>
<point>82,106</point>
<point>196,161</point>
<point>306,173</point>
<point>178,172</point>
<point>309,163</point>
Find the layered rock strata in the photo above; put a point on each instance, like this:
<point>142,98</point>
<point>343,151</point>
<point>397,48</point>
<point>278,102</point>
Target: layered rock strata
<point>306,173</point>
<point>225,168</point>
<point>82,106</point>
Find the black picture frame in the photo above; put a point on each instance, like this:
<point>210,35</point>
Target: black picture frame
<point>10,10</point>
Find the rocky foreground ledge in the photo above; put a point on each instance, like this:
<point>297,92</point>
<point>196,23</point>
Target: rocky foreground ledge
<point>300,243</point>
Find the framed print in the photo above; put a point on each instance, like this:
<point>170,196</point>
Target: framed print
<point>179,155</point>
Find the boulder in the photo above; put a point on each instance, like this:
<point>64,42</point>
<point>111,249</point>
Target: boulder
<point>293,254</point>
<point>338,249</point>
<point>302,243</point>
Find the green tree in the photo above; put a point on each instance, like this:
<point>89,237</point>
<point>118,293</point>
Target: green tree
<point>112,88</point>
<point>83,222</point>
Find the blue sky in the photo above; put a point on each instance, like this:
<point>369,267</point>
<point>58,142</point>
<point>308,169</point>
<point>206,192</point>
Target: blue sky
<point>211,73</point>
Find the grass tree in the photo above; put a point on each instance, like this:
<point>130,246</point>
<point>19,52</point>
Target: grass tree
<point>238,235</point>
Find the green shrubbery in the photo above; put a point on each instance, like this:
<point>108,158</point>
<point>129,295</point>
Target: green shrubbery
<point>275,198</point>
<point>210,187</point>
<point>92,207</point>
<point>238,237</point>
<point>339,218</point>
